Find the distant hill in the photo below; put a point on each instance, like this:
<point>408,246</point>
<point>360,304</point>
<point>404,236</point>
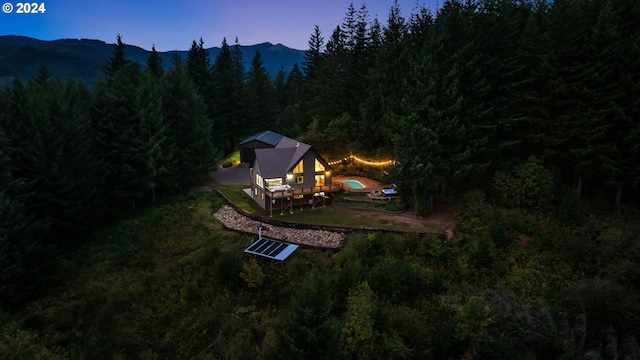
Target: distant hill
<point>84,58</point>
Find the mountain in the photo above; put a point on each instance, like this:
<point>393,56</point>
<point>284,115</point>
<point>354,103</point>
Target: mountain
<point>84,58</point>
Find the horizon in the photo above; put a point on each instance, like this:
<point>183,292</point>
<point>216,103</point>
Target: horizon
<point>135,45</point>
<point>171,27</point>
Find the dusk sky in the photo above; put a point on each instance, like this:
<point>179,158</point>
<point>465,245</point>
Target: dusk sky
<point>173,25</point>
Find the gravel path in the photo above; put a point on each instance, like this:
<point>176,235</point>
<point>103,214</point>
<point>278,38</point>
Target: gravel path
<point>317,238</point>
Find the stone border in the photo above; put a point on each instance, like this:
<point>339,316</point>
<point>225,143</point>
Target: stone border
<point>316,238</point>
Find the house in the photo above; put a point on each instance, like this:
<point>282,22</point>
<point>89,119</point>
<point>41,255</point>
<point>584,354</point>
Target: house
<point>286,173</point>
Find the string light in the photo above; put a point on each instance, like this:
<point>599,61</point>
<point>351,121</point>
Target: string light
<point>362,161</point>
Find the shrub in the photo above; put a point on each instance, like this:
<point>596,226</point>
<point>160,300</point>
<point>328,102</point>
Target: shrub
<point>528,185</point>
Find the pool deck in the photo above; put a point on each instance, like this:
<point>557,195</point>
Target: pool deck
<point>369,184</point>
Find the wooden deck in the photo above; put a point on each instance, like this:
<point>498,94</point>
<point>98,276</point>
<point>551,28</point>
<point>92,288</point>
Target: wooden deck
<point>295,197</point>
<point>279,194</point>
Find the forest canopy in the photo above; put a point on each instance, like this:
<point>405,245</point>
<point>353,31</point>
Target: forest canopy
<point>524,112</point>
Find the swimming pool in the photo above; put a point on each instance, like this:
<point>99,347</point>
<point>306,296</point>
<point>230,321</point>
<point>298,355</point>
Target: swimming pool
<point>354,184</point>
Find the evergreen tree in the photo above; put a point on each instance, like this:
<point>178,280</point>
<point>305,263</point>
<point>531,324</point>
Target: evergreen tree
<point>58,162</point>
<point>313,54</point>
<point>608,92</point>
<point>497,26</point>
<point>457,55</point>
<point>260,95</point>
<point>25,261</point>
<point>14,116</point>
<point>157,149</point>
<point>569,47</point>
<point>154,64</point>
<point>329,97</point>
<point>294,85</point>
<point>185,114</point>
<point>292,119</point>
<point>386,84</point>
<point>313,81</point>
<point>309,332</point>
<point>532,102</point>
<point>228,83</point>
<point>199,66</point>
<point>279,92</point>
<point>116,143</point>
<point>43,75</point>
<point>117,62</point>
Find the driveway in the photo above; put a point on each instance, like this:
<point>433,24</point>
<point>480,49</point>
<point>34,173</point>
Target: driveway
<point>234,175</point>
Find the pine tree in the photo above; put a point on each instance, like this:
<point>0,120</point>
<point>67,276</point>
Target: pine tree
<point>260,95</point>
<point>25,258</point>
<point>386,83</point>
<point>531,98</point>
<point>154,64</point>
<point>569,47</point>
<point>313,81</point>
<point>116,143</point>
<point>608,90</point>
<point>313,54</point>
<point>14,116</point>
<point>309,332</point>
<point>279,91</point>
<point>157,149</point>
<point>117,62</point>
<point>329,100</point>
<point>185,114</point>
<point>228,74</point>
<point>58,162</point>
<point>497,26</point>
<point>199,66</point>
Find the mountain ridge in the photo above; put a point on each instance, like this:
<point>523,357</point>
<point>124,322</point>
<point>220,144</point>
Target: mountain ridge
<point>84,58</point>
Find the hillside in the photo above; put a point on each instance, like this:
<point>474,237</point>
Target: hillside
<point>84,58</point>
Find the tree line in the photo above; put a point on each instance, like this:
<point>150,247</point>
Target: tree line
<point>481,86</point>
<point>73,155</point>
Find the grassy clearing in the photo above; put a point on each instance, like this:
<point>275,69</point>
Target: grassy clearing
<point>328,216</point>
<point>164,284</point>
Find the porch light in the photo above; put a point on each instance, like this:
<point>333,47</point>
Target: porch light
<point>289,176</point>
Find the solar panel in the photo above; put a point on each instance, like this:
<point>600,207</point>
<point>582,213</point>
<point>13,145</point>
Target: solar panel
<point>256,244</point>
<point>272,249</point>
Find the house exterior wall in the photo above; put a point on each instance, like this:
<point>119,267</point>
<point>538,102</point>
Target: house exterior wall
<point>309,171</point>
<point>257,191</point>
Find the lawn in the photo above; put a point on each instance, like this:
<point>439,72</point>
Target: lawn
<point>339,216</point>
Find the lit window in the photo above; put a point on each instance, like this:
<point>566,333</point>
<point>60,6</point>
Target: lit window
<point>319,167</point>
<point>319,180</point>
<point>299,169</point>
<point>273,182</point>
<point>259,181</point>
<point>300,179</point>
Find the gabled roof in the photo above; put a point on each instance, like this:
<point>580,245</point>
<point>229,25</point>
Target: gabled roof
<point>274,163</point>
<point>299,150</point>
<point>268,137</point>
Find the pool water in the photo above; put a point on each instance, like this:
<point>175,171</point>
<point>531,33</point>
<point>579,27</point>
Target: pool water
<point>354,184</point>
